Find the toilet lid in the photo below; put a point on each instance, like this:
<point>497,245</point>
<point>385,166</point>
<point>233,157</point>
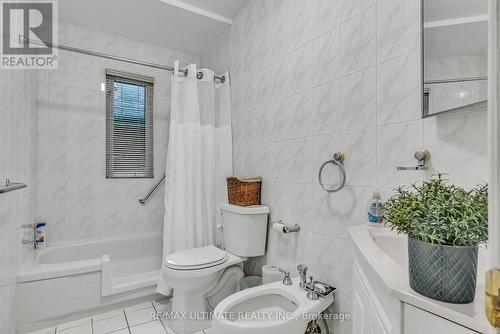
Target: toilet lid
<point>196,258</point>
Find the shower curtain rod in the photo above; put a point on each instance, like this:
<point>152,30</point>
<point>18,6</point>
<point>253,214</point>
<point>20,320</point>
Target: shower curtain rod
<point>199,75</point>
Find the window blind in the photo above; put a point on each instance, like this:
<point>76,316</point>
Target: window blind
<point>129,125</point>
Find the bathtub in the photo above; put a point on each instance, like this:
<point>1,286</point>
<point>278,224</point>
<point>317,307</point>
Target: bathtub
<point>81,277</point>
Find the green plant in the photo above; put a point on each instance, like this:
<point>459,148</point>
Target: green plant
<point>440,213</point>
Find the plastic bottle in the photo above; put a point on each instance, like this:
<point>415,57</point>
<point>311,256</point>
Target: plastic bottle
<point>40,235</point>
<point>376,210</point>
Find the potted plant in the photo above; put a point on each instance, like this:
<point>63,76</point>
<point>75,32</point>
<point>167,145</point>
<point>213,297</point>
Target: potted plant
<point>445,224</point>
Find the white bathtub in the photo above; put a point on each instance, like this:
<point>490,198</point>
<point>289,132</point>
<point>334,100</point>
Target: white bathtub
<point>82,277</point>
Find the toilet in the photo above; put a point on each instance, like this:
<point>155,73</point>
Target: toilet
<point>202,277</point>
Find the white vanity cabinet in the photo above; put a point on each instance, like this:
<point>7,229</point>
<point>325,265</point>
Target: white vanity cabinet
<point>365,317</point>
<point>377,308</point>
<point>418,321</point>
<point>371,307</point>
<point>374,310</point>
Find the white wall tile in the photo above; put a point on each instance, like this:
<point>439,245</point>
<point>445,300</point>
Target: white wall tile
<point>351,8</point>
<point>457,145</point>
<point>326,49</point>
<point>398,90</point>
<point>399,143</point>
<point>398,28</point>
<point>298,116</point>
<point>359,100</point>
<point>326,15</point>
<point>359,44</point>
<point>298,65</point>
<point>360,148</point>
<point>17,147</point>
<point>326,108</point>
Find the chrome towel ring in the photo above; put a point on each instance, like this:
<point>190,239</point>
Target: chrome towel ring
<point>338,160</point>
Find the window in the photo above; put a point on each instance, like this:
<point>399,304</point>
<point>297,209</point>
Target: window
<point>129,126</point>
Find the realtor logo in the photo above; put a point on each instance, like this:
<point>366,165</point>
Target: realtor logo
<point>29,30</point>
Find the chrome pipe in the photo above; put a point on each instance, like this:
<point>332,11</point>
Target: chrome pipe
<point>146,198</point>
<point>221,78</point>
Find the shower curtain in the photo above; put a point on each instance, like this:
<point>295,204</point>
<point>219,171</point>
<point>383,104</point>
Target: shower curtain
<point>199,159</point>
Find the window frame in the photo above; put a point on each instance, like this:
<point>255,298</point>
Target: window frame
<point>117,170</point>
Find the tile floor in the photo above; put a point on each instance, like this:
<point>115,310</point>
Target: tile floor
<point>131,320</point>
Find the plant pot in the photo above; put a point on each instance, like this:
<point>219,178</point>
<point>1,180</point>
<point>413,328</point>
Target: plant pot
<point>443,273</point>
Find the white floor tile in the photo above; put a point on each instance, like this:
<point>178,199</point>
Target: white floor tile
<point>140,316</point>
<point>110,324</point>
<point>122,331</point>
<point>153,327</point>
<point>167,326</point>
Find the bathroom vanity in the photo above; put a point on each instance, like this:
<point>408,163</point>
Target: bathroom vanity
<point>384,303</point>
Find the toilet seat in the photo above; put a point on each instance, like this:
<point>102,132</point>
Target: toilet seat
<point>196,258</point>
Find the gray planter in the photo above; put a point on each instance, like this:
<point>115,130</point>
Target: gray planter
<point>443,273</point>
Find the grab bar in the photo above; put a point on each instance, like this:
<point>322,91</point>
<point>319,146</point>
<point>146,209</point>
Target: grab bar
<point>11,186</point>
<point>144,200</point>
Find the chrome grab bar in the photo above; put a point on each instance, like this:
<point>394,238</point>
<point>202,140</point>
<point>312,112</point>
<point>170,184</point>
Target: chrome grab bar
<point>338,160</point>
<point>144,200</point>
<point>11,186</point>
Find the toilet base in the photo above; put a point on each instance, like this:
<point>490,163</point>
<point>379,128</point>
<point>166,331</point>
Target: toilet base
<point>189,312</point>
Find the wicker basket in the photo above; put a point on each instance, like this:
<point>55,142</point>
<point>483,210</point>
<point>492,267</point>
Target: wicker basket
<point>244,191</point>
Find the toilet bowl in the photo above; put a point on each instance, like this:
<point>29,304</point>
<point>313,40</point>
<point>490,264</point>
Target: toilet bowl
<point>193,274</point>
<point>202,277</point>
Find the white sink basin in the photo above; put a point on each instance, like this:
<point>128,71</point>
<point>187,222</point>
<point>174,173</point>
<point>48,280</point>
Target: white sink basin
<point>392,244</point>
<point>268,309</point>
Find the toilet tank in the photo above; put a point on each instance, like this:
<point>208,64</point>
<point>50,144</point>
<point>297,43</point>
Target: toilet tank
<point>244,229</point>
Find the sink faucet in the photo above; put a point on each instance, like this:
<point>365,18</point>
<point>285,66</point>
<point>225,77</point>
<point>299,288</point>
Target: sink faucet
<point>312,293</point>
<point>286,280</point>
<point>302,268</point>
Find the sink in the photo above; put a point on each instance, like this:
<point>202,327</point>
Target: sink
<point>268,309</point>
<point>392,244</point>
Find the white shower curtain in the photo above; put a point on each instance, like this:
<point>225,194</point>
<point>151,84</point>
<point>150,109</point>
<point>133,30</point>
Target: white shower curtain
<point>199,159</point>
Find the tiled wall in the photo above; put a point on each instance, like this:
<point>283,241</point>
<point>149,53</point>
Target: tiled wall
<point>73,195</point>
<point>312,77</point>
<point>17,154</point>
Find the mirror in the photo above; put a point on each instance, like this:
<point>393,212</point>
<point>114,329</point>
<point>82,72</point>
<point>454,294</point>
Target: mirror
<point>455,56</point>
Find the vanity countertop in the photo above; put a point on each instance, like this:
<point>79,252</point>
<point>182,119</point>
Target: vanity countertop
<point>387,254</point>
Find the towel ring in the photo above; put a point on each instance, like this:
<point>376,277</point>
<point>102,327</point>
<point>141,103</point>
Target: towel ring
<point>338,160</point>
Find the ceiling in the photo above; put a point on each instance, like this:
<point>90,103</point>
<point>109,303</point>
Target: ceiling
<point>153,21</point>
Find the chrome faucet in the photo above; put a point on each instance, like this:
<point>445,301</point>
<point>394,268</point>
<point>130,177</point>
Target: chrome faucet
<point>302,268</point>
<point>312,293</point>
<point>286,280</point>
